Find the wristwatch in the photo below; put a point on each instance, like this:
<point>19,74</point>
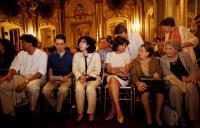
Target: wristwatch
<point>26,81</point>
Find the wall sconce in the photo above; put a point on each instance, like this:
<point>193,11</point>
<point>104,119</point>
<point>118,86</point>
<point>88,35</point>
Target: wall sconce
<point>30,31</point>
<point>136,26</point>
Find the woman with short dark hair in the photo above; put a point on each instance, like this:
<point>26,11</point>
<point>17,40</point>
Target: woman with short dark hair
<point>148,67</point>
<point>118,63</point>
<point>86,68</point>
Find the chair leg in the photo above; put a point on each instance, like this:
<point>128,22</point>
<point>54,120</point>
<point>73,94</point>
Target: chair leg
<point>104,108</point>
<point>131,102</point>
<point>70,100</point>
<point>100,100</point>
<point>134,99</point>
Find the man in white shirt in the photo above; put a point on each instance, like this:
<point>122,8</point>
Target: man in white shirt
<point>134,38</point>
<point>26,74</point>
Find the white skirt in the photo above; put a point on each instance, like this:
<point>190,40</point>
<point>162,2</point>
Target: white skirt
<point>122,82</point>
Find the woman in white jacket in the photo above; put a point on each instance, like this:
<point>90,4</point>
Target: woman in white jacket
<point>86,68</point>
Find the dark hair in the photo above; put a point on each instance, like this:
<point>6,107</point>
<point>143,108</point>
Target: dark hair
<point>9,53</point>
<point>157,38</point>
<point>109,39</point>
<point>51,49</point>
<point>119,41</point>
<point>90,42</point>
<point>67,48</point>
<point>198,16</point>
<point>29,39</point>
<point>61,37</point>
<point>148,47</point>
<point>119,29</point>
<point>169,21</point>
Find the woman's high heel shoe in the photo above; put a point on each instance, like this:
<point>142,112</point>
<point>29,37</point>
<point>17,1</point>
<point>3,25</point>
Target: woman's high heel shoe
<point>90,119</point>
<point>121,120</point>
<point>79,120</point>
<point>108,118</point>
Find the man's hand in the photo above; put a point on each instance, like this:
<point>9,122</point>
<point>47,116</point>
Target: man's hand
<point>2,79</point>
<point>189,79</point>
<point>6,78</point>
<point>21,87</point>
<point>50,78</point>
<point>65,78</point>
<point>156,76</point>
<point>9,77</point>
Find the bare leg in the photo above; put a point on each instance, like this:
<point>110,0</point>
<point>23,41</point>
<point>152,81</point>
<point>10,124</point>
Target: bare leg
<point>112,112</point>
<point>145,103</point>
<point>159,104</point>
<point>79,117</point>
<point>114,86</point>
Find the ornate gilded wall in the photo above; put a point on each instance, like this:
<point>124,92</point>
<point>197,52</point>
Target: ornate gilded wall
<point>80,19</point>
<point>97,18</point>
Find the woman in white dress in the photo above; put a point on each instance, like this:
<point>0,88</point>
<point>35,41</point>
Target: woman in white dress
<point>118,63</point>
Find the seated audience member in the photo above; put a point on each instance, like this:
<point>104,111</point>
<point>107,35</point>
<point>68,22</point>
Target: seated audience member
<point>105,49</point>
<point>160,50</point>
<point>50,50</point>
<point>86,68</point>
<point>67,49</point>
<point>7,54</point>
<point>74,50</point>
<point>118,63</point>
<point>181,74</point>
<point>156,42</point>
<point>25,74</point>
<point>147,66</point>
<point>39,45</point>
<point>197,34</point>
<point>59,74</point>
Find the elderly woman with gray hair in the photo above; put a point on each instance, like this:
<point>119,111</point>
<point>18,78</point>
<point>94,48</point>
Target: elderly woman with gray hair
<point>181,75</point>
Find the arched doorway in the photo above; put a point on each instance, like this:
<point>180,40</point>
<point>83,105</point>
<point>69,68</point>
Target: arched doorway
<point>46,35</point>
<point>11,32</point>
<point>112,23</point>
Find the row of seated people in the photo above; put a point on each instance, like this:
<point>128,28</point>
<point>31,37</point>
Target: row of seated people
<point>177,67</point>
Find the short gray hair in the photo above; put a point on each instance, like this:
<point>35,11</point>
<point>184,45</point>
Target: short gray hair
<point>174,44</point>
